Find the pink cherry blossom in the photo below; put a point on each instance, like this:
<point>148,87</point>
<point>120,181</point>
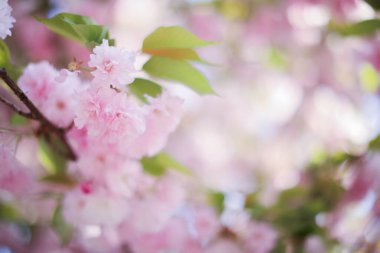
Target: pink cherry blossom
<point>14,177</point>
<point>106,113</point>
<point>260,238</point>
<point>96,208</point>
<point>162,118</point>
<point>6,20</point>
<point>38,81</point>
<point>113,66</point>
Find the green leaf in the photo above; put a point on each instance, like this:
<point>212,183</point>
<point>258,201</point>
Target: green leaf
<point>374,144</point>
<point>178,70</point>
<point>216,199</point>
<point>374,4</point>
<point>158,164</point>
<point>9,212</point>
<point>76,27</point>
<point>17,120</point>
<point>369,78</point>
<point>59,224</point>
<point>52,162</point>
<point>176,53</point>
<point>366,27</point>
<point>59,178</point>
<point>4,55</point>
<point>142,87</point>
<point>173,37</point>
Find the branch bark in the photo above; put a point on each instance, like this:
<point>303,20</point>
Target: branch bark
<point>47,129</point>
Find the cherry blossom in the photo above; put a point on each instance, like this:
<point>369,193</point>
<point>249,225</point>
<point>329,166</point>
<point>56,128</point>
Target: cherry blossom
<point>6,20</point>
<point>113,66</point>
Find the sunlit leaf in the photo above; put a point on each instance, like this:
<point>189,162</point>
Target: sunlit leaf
<point>17,120</point>
<point>374,144</point>
<point>369,78</point>
<point>60,178</point>
<point>9,212</point>
<point>142,87</point>
<point>4,55</point>
<point>173,37</point>
<point>180,71</point>
<point>52,162</point>
<point>62,228</point>
<point>366,27</point>
<point>176,53</point>
<point>216,199</point>
<point>76,27</point>
<point>158,164</point>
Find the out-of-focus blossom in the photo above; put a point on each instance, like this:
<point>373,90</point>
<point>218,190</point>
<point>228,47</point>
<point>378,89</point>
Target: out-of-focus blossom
<point>97,208</point>
<point>6,20</point>
<point>14,178</point>
<point>163,115</point>
<point>51,92</point>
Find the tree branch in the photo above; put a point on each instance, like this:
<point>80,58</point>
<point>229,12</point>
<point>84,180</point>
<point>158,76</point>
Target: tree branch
<point>14,108</point>
<point>47,128</point>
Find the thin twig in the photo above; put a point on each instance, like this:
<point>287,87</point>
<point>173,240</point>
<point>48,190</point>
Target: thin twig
<point>14,108</point>
<point>47,128</point>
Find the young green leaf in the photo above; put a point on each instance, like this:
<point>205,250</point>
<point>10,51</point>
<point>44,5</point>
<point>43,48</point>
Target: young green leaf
<point>63,229</point>
<point>142,87</point>
<point>76,27</point>
<point>158,164</point>
<point>366,27</point>
<point>4,55</point>
<point>52,162</point>
<point>173,37</point>
<point>180,71</point>
<point>18,120</point>
<point>374,144</point>
<point>374,4</point>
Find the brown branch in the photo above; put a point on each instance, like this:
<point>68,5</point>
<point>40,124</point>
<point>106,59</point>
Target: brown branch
<point>47,128</point>
<point>14,108</point>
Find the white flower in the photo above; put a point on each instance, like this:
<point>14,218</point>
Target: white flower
<point>6,20</point>
<point>113,65</point>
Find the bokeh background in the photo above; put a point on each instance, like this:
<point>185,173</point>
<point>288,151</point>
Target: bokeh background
<point>290,136</point>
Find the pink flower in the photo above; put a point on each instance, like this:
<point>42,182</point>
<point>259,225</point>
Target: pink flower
<point>113,66</point>
<point>6,20</point>
<point>96,208</point>
<point>108,114</point>
<point>51,91</point>
<point>59,107</point>
<point>162,119</point>
<point>260,238</point>
<point>14,178</point>
<point>38,81</point>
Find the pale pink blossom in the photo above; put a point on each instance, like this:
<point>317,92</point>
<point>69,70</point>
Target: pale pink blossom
<point>224,246</point>
<point>125,181</point>
<point>260,238</point>
<point>158,205</point>
<point>96,208</point>
<point>38,81</point>
<point>6,20</point>
<point>97,159</point>
<point>14,177</point>
<point>51,91</point>
<point>108,114</point>
<point>162,119</point>
<point>113,66</point>
<point>60,106</point>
